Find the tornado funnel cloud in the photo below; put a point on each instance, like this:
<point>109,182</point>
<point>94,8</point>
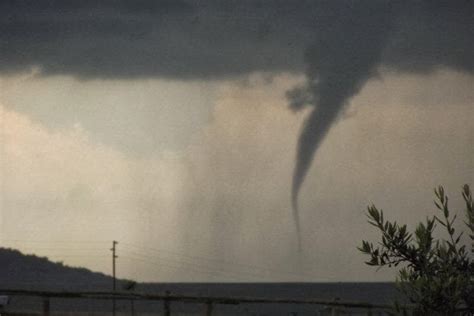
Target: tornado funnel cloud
<point>339,63</point>
<point>314,130</point>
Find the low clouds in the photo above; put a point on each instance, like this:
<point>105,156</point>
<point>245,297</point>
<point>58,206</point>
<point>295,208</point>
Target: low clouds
<point>206,199</point>
<point>65,186</point>
<point>227,194</point>
<point>139,117</point>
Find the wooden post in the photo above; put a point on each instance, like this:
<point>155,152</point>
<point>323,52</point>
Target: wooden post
<point>209,308</point>
<point>166,305</point>
<point>114,279</point>
<point>132,306</point>
<point>46,306</point>
<point>335,308</point>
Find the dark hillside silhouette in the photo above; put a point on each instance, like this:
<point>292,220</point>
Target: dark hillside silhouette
<point>20,271</point>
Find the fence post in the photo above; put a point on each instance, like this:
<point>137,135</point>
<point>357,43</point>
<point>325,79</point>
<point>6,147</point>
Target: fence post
<point>46,307</point>
<point>132,306</point>
<point>209,308</point>
<point>166,305</point>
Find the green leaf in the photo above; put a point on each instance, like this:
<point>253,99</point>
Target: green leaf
<point>437,274</point>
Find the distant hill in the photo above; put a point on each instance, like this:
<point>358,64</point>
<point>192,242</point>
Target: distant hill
<point>20,271</point>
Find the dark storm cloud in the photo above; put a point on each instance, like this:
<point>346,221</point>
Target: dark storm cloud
<point>202,39</point>
<point>150,38</point>
<point>339,44</point>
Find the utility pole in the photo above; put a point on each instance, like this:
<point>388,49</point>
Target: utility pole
<point>114,256</point>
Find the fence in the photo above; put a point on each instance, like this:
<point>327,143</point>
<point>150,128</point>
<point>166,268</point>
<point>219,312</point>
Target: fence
<point>326,307</point>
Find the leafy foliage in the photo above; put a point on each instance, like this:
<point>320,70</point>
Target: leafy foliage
<point>437,276</point>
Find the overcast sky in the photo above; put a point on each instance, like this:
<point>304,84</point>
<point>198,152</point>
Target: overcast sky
<point>192,131</point>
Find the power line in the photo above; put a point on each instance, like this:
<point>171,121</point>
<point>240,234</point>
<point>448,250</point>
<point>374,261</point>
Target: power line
<point>202,267</point>
<point>191,264</point>
<point>78,256</point>
<point>196,262</point>
<point>57,241</point>
<point>188,265</point>
<point>62,248</point>
<point>221,261</point>
<point>172,266</point>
